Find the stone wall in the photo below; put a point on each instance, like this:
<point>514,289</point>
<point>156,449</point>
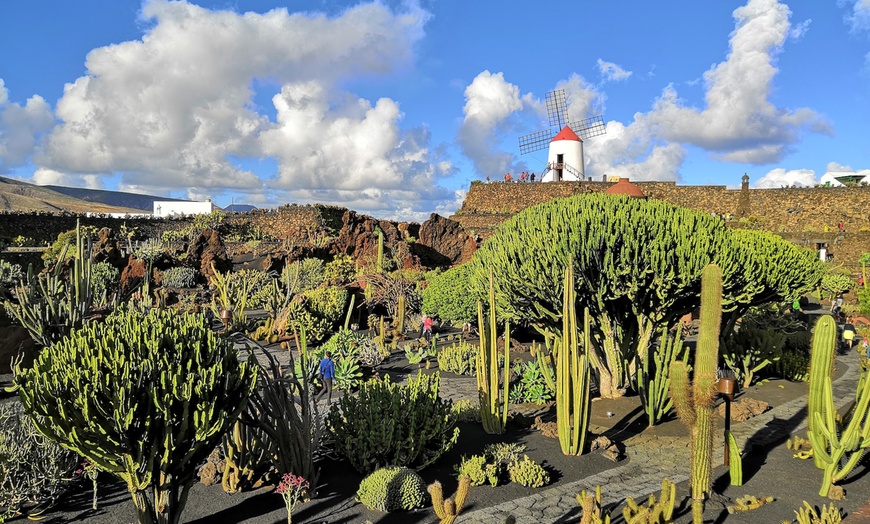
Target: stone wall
<point>44,227</point>
<point>802,215</point>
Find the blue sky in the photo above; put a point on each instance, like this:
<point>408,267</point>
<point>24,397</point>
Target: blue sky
<point>393,108</point>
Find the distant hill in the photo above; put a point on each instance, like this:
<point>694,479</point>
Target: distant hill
<point>21,196</point>
<point>240,208</point>
<point>113,198</point>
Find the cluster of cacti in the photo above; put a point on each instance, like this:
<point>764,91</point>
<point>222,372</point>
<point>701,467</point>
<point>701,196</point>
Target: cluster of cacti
<point>179,277</point>
<point>655,511</point>
<point>793,366</point>
<point>749,350</point>
<point>533,383</point>
<point>839,442</point>
<point>748,503</point>
<point>493,402</point>
<point>182,384</point>
<point>529,473</point>
<point>448,510</point>
<point>392,489</point>
<point>476,468</point>
<point>50,305</point>
<point>803,448</point>
<point>590,508</point>
<point>735,460</point>
<point>247,455</point>
<point>827,515</point>
<point>265,332</point>
<point>390,424</point>
<point>573,380</point>
<point>694,401</point>
<point>459,358</point>
<point>491,466</point>
<point>654,381</point>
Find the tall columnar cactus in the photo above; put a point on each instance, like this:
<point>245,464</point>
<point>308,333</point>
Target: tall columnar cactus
<point>247,458</point>
<point>400,314</point>
<point>572,376</point>
<point>448,510</point>
<point>144,397</point>
<point>838,443</point>
<point>493,410</point>
<point>380,250</point>
<point>694,401</point>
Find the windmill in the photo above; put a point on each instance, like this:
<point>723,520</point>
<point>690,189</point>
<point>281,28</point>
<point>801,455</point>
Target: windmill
<point>564,139</point>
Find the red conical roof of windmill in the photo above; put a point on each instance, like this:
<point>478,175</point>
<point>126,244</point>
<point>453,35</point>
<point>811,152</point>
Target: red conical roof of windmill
<point>624,187</point>
<point>566,134</point>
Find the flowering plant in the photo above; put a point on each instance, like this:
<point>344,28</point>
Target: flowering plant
<point>294,489</point>
<point>89,471</point>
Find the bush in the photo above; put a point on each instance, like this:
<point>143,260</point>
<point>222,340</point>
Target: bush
<point>793,366</point>
<point>341,269</point>
<point>145,396</point>
<point>528,473</point>
<point>392,489</point>
<point>326,303</point>
<point>180,277</point>
<point>467,410</point>
<point>258,285</point>
<point>388,424</point>
<point>475,467</point>
<point>459,358</point>
<point>33,469</point>
<point>305,274</point>
<point>447,296</point>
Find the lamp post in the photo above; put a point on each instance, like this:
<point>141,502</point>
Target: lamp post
<point>726,386</point>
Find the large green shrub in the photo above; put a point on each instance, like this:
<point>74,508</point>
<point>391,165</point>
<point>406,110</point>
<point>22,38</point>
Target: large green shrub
<point>304,275</point>
<point>257,284</point>
<point>145,397</point>
<point>447,296</point>
<point>327,303</point>
<point>33,469</point>
<point>104,280</point>
<point>392,489</point>
<point>390,424</point>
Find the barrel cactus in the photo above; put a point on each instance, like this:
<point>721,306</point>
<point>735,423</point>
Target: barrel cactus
<point>145,397</point>
<point>392,489</point>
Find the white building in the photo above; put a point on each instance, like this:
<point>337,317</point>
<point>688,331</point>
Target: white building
<point>170,208</point>
<point>565,158</point>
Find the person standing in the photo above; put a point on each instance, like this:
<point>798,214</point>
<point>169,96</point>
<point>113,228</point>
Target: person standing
<point>327,373</point>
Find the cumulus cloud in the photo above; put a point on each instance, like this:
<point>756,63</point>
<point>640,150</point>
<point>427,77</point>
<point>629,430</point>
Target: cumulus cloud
<point>175,109</point>
<point>50,177</point>
<point>20,127</point>
<point>489,101</point>
<point>611,71</point>
<point>779,177</point>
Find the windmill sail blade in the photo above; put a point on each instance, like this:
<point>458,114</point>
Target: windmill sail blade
<point>557,108</point>
<point>589,127</point>
<point>536,141</point>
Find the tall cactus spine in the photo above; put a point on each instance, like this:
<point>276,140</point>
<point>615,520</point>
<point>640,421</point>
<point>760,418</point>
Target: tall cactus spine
<point>572,375</point>
<point>694,401</point>
<point>380,251</point>
<point>839,443</point>
<point>493,410</point>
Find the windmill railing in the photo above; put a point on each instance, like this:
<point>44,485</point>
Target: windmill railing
<point>556,166</point>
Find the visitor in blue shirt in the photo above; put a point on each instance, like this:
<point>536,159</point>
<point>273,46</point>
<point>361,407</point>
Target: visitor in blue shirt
<point>327,372</point>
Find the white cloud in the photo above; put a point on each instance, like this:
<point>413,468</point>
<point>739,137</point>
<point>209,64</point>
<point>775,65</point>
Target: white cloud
<point>611,71</point>
<point>779,177</point>
<point>50,177</point>
<point>20,127</point>
<point>173,110</point>
<point>859,18</point>
<point>799,30</point>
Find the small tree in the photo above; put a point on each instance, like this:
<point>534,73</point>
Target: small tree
<point>144,397</point>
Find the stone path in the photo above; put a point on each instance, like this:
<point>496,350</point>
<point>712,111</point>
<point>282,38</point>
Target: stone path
<point>650,459</point>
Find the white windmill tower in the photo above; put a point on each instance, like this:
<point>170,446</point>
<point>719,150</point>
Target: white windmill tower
<point>565,140</point>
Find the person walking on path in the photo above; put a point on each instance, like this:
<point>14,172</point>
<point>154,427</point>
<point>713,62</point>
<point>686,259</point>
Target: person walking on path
<point>427,327</point>
<point>327,372</point>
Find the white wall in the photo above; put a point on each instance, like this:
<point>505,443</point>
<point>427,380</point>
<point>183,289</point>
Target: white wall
<point>167,209</point>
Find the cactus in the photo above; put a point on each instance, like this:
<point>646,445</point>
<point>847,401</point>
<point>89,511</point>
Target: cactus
<point>590,508</point>
<point>493,410</point>
<point>659,511</point>
<point>145,397</point>
<point>827,515</point>
<point>572,375</point>
<point>448,510</point>
<point>654,383</point>
<point>694,402</point>
<point>400,315</point>
<point>247,458</point>
<point>838,445</point>
<point>50,306</point>
<point>380,250</point>
<point>735,461</point>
